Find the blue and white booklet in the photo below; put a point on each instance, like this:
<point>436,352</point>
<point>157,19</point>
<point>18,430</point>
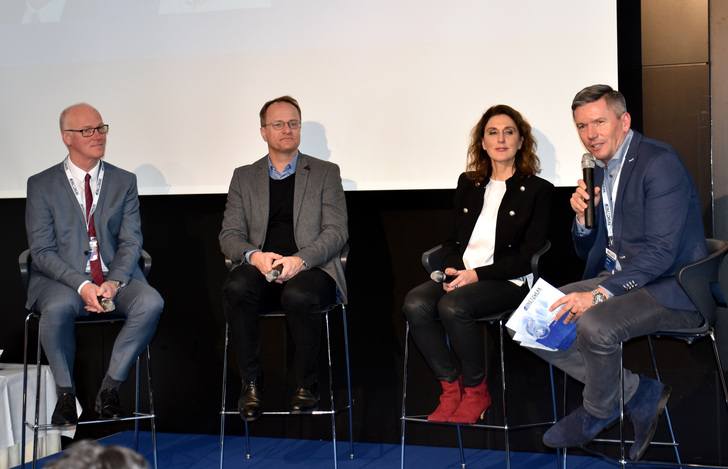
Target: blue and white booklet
<point>534,324</point>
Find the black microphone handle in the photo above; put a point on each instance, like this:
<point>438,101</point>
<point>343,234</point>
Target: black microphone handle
<point>440,276</point>
<point>589,212</point>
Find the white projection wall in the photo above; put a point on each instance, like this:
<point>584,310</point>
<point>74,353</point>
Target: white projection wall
<point>389,88</point>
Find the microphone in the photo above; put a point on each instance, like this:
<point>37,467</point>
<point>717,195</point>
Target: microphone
<point>438,276</point>
<point>587,168</point>
<point>274,273</point>
<point>107,304</point>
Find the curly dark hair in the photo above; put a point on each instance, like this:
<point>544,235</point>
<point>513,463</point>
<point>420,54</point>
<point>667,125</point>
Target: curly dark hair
<point>479,165</point>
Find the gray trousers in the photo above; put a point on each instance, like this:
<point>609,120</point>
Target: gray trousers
<point>594,357</point>
<point>60,305</point>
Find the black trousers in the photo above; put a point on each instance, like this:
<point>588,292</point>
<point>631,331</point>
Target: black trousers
<point>246,294</point>
<point>457,310</point>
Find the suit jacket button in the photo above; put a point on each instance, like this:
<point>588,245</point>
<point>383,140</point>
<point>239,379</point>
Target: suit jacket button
<point>465,210</point>
<point>85,253</point>
<point>523,189</point>
<point>511,213</point>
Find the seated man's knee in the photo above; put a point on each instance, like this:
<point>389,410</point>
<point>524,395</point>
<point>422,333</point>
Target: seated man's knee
<point>299,299</point>
<point>61,309</point>
<point>241,283</point>
<point>595,329</point>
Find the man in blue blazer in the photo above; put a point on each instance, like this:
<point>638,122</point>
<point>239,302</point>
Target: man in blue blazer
<point>286,211</point>
<point>647,225</point>
<point>71,230</point>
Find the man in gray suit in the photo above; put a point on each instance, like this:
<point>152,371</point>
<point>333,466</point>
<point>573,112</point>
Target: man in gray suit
<point>84,233</point>
<point>286,211</point>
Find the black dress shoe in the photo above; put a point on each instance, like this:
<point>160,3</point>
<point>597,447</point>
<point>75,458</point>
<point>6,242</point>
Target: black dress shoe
<point>305,399</point>
<point>65,411</point>
<point>108,405</point>
<point>250,403</point>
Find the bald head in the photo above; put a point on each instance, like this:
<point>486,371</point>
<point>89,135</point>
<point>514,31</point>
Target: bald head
<point>85,152</point>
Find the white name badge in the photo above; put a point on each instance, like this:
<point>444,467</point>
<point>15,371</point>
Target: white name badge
<point>93,251</point>
<point>611,261</point>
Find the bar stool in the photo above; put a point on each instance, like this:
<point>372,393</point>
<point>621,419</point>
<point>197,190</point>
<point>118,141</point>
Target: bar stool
<point>332,410</point>
<point>24,262</point>
<point>432,260</point>
<point>700,280</point>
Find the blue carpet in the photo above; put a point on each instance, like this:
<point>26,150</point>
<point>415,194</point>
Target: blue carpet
<point>183,451</point>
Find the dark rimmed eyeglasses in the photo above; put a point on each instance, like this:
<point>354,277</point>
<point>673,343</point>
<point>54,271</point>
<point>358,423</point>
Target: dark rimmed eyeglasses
<point>278,125</point>
<point>102,130</point>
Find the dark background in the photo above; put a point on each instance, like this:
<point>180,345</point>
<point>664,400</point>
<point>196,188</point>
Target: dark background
<point>389,230</point>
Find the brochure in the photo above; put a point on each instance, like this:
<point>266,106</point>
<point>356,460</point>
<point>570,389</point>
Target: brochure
<point>534,324</point>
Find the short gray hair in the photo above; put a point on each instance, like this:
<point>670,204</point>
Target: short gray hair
<point>590,94</point>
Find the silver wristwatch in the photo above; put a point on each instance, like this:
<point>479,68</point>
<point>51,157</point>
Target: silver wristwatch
<point>598,297</point>
<point>119,284</point>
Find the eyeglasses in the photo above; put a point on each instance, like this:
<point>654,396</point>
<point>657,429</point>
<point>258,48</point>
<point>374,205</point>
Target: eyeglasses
<point>278,125</point>
<point>102,130</point>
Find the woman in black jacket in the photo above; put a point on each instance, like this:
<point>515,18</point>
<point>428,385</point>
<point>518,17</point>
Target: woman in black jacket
<point>502,211</point>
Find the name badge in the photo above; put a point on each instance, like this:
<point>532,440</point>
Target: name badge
<point>611,261</point>
<point>93,251</point>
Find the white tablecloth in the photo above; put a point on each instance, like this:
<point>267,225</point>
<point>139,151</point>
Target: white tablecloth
<point>11,414</point>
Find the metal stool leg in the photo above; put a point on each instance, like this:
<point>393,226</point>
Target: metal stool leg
<point>331,388</point>
<point>404,393</point>
<point>667,412</point>
<point>36,420</point>
<point>503,389</point>
<point>137,374</point>
<point>151,406</point>
<point>348,382</point>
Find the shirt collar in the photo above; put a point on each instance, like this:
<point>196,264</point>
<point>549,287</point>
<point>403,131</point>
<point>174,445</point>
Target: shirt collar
<point>287,171</point>
<point>79,174</point>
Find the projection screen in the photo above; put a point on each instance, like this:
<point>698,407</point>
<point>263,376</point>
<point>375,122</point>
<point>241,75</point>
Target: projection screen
<point>389,89</point>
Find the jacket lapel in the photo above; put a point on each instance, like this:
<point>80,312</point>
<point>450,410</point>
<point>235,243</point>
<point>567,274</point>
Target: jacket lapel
<point>302,173</point>
<point>262,193</point>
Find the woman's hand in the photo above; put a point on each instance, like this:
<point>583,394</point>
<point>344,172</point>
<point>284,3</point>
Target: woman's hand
<point>462,278</point>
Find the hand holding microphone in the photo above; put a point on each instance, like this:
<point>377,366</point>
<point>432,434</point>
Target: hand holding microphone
<point>274,273</point>
<point>587,168</point>
<point>439,276</point>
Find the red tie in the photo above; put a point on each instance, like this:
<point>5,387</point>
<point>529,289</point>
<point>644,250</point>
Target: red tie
<point>96,272</point>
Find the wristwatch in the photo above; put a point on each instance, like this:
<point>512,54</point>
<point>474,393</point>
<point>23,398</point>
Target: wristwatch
<point>119,284</point>
<point>598,297</point>
<point>305,264</point>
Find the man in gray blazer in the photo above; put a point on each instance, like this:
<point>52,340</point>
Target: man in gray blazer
<point>285,212</point>
<point>84,232</point>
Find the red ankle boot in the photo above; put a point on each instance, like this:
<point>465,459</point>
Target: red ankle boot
<point>449,401</point>
<point>475,401</point>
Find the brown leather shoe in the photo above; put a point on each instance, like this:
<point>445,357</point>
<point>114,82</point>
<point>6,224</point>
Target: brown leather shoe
<point>65,411</point>
<point>305,399</point>
<point>250,403</point>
